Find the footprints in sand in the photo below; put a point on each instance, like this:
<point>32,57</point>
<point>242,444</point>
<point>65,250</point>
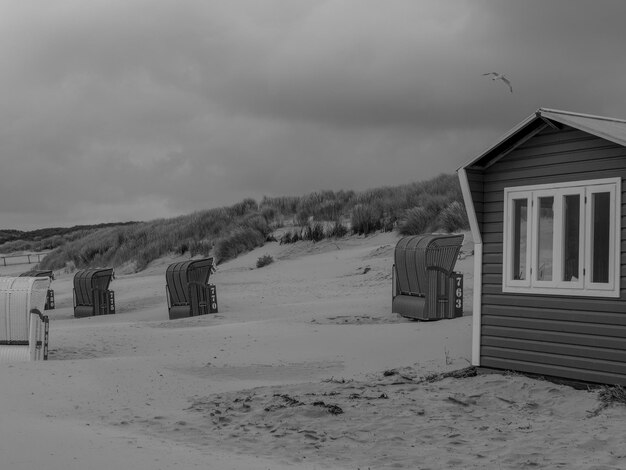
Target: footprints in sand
<point>394,419</point>
<point>335,416</point>
<point>383,318</point>
<point>85,351</point>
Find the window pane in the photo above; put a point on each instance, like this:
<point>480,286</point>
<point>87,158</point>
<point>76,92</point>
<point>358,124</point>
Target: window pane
<point>571,237</point>
<point>545,238</point>
<point>600,236</point>
<point>520,242</point>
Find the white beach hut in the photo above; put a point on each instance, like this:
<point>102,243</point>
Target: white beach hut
<point>23,329</point>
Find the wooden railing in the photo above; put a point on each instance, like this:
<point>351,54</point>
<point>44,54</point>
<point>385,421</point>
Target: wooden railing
<point>22,259</point>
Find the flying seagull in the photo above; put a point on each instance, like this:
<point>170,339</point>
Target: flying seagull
<point>500,76</point>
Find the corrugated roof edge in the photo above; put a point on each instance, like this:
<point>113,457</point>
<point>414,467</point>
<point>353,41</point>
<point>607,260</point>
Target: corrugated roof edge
<point>559,116</point>
<point>570,113</point>
<point>574,120</point>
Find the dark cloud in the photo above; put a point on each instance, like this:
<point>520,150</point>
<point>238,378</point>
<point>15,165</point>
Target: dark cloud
<point>115,110</point>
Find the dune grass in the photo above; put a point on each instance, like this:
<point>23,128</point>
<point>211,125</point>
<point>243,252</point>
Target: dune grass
<point>221,230</point>
<point>433,205</point>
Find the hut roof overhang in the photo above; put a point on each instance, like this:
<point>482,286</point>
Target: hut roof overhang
<point>611,129</point>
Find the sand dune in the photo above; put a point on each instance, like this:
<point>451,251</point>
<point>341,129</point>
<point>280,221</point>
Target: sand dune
<point>304,367</point>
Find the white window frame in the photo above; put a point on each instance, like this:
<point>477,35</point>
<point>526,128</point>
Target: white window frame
<point>583,286</point>
<point>508,250</point>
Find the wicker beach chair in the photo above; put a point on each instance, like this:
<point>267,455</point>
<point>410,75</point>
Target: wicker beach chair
<point>23,328</point>
<point>187,288</point>
<point>425,286</point>
<point>91,292</point>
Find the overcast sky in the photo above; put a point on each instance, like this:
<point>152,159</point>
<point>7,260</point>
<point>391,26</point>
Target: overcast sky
<point>117,110</point>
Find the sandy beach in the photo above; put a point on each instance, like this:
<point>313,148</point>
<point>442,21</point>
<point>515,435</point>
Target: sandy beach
<point>304,366</point>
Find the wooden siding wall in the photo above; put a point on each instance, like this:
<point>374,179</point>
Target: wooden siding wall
<point>579,338</point>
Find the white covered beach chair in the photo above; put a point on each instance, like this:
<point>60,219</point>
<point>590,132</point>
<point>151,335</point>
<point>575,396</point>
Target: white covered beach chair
<point>23,328</point>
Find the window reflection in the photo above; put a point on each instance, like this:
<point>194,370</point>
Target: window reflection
<point>600,236</point>
<point>545,239</point>
<point>520,242</point>
<point>571,237</point>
